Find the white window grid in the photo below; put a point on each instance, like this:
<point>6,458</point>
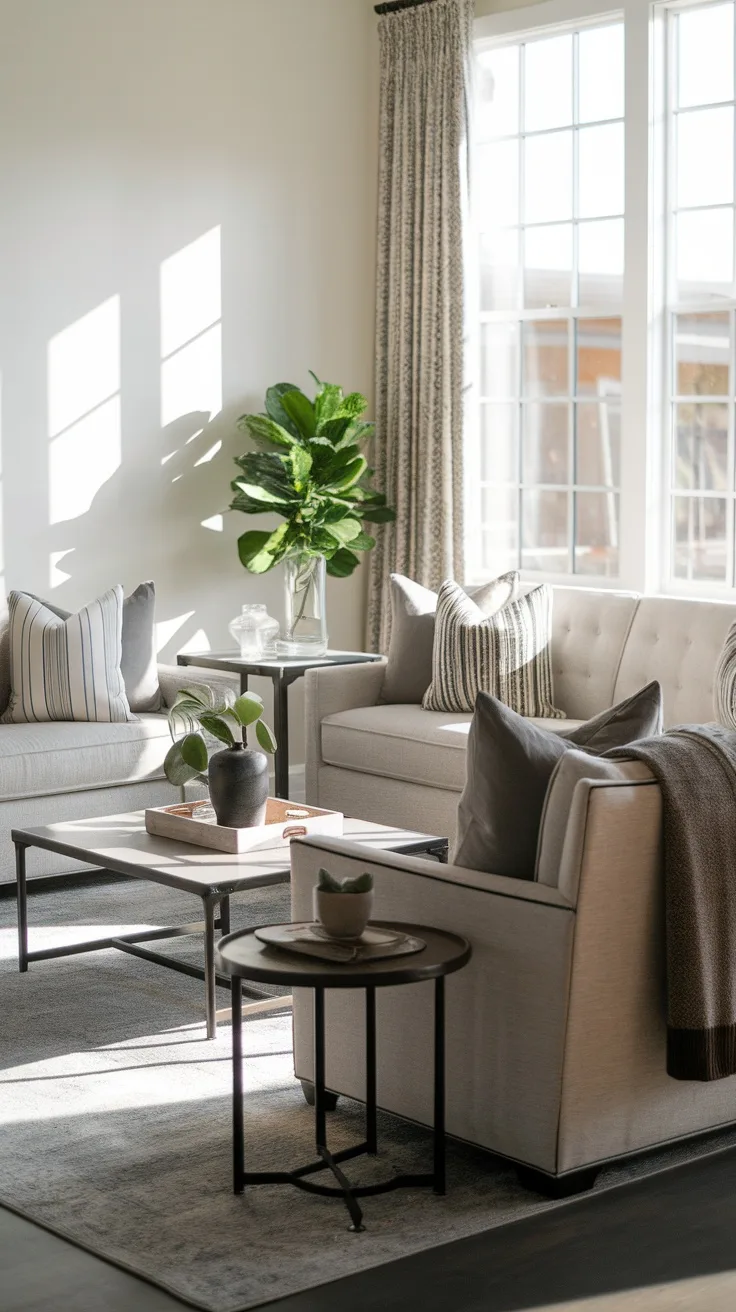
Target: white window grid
<point>705,305</point>
<point>570,314</point>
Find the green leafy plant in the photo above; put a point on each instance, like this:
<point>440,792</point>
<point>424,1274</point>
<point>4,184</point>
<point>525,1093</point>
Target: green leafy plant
<point>309,469</point>
<point>359,884</point>
<point>200,721</point>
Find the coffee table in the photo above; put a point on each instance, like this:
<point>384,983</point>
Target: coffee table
<point>119,844</point>
<point>282,672</point>
<point>245,957</point>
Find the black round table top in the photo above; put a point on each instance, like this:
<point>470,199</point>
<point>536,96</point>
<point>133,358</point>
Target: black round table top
<point>242,954</point>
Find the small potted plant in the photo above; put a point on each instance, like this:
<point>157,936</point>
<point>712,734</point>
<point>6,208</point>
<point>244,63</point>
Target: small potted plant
<point>236,775</point>
<point>343,906</point>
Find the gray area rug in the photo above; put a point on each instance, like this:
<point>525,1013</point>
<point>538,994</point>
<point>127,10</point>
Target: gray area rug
<point>115,1116</point>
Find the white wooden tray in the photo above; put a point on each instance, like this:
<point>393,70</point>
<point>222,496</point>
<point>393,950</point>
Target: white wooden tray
<point>195,822</point>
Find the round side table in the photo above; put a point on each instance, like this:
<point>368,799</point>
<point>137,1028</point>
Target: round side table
<point>244,957</point>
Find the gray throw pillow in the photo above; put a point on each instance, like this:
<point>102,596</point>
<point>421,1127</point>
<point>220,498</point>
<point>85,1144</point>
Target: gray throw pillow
<point>138,662</point>
<point>409,669</point>
<point>510,764</point>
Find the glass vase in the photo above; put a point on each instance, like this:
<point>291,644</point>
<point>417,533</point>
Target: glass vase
<point>247,630</point>
<point>306,621</point>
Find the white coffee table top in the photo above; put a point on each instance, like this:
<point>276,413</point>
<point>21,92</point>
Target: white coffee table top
<point>120,844</point>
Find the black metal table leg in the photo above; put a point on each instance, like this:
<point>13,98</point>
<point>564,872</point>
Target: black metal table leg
<point>243,683</point>
<point>209,966</point>
<point>439,1086</point>
<point>225,916</point>
<point>22,896</point>
<point>370,1071</point>
<point>281,730</point>
<point>238,1128</point>
<point>320,1119</point>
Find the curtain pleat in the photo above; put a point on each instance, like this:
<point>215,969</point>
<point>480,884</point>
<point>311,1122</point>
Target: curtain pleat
<point>425,98</point>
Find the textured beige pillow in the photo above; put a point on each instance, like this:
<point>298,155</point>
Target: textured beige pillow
<point>409,668</point>
<point>724,682</point>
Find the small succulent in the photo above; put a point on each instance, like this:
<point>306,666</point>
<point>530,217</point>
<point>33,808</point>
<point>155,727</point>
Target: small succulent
<point>359,884</point>
<point>208,720</point>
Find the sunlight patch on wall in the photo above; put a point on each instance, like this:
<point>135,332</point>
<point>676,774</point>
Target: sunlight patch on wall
<point>191,340</point>
<point>84,420</point>
<point>166,630</point>
<point>216,523</point>
<point>198,642</point>
<point>57,575</point>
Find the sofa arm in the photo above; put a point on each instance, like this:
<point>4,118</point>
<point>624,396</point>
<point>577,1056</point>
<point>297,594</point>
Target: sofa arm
<point>173,677</point>
<point>330,689</point>
<point>506,1011</point>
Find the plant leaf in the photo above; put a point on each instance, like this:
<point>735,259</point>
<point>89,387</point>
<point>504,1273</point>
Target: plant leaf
<point>344,530</point>
<point>275,409</point>
<point>194,752</point>
<point>327,403</point>
<point>265,737</point>
<point>248,708</point>
<point>300,410</point>
<point>363,542</point>
<point>378,514</point>
<point>218,727</point>
<point>354,471</point>
<point>264,429</point>
<point>342,564</point>
<point>176,770</point>
<point>301,467</point>
<point>353,406</point>
<point>261,494</point>
<point>251,549</point>
<point>363,432</point>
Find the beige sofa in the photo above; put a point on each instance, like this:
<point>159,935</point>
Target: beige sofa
<point>62,771</point>
<point>556,1029</point>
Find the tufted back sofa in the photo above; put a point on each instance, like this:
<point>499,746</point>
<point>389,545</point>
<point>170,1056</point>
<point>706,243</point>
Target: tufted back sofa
<point>403,765</point>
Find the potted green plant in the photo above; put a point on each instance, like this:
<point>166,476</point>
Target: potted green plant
<point>237,777</point>
<point>343,906</point>
<point>310,470</point>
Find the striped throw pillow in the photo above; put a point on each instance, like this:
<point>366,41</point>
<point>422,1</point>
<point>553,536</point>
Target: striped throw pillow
<point>724,682</point>
<point>506,655</point>
<point>66,669</point>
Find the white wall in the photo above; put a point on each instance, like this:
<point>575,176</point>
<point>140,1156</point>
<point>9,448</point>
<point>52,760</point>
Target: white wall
<point>130,129</point>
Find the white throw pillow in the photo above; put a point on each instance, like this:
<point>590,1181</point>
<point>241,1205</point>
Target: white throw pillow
<point>66,669</point>
<point>507,654</point>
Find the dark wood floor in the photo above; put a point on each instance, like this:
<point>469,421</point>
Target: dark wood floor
<point>675,1226</point>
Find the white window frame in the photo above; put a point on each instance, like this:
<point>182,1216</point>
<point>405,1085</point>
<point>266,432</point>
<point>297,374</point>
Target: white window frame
<point>642,485</point>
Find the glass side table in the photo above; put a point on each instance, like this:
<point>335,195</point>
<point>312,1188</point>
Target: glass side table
<point>282,673</point>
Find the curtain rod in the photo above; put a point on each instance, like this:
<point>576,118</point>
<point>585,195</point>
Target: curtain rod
<point>393,6</point>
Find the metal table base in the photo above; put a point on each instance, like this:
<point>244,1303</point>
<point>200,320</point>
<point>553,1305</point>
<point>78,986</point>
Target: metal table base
<point>343,1189</point>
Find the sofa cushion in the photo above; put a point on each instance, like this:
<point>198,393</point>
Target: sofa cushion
<point>507,654</point>
<point>63,757</point>
<point>406,742</point>
<point>510,764</point>
<point>413,609</point>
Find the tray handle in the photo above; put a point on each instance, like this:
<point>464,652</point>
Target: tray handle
<point>295,831</point>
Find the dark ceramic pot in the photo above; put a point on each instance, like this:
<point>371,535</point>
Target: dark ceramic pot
<point>239,787</point>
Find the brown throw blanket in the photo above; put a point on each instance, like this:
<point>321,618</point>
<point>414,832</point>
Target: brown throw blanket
<point>696,770</point>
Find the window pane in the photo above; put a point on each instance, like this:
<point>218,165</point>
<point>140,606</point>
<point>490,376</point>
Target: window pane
<point>601,177</point>
<point>705,48</point>
<point>700,538</point>
<point>548,83</point>
<point>704,253</point>
<point>545,443</point>
<point>499,270</point>
<point>598,443</point>
<point>545,531</point>
<point>499,460</point>
<point>601,76</point>
<point>548,177</point>
<point>601,263</point>
<point>497,83</point>
<point>702,354</point>
<point>599,357</point>
<point>500,530</point>
<point>499,370</point>
<point>596,533</point>
<point>548,266</point>
<point>701,446</point>
<point>705,157</point>
<point>546,359</point>
<point>497,181</point>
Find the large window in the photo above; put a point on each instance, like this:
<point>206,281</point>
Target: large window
<point>700,289</point>
<point>550,201</point>
<point>605,443</point>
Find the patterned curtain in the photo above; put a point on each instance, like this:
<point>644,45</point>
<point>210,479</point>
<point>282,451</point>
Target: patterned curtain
<point>425,105</point>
